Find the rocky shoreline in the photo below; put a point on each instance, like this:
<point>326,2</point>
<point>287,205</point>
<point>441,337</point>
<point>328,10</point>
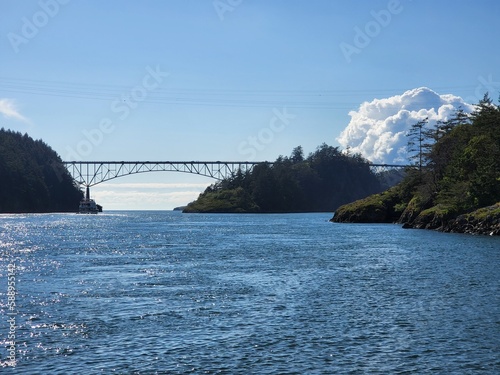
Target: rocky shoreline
<point>483,221</point>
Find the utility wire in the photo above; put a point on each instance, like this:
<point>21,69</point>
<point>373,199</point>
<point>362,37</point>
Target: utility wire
<point>320,99</point>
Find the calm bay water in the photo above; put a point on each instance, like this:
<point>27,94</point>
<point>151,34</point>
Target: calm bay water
<point>170,293</point>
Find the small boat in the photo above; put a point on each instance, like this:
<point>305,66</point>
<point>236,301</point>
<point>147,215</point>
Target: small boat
<point>89,206</point>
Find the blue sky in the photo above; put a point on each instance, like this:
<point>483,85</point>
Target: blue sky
<point>197,80</point>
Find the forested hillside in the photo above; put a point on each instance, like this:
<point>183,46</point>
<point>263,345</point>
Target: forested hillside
<point>323,181</point>
<point>32,178</point>
<point>457,171</point>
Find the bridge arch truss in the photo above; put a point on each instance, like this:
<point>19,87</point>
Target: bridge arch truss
<point>91,173</point>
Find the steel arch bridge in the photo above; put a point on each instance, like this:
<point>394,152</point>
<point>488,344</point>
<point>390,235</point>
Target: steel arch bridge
<point>91,173</point>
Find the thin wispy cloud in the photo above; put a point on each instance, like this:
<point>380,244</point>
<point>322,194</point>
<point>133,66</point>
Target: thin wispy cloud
<point>9,110</point>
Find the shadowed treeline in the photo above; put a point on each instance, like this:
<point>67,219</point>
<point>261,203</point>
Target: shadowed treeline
<point>32,177</point>
<point>321,182</point>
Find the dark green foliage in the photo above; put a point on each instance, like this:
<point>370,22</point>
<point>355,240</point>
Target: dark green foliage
<point>323,181</point>
<point>32,177</point>
<point>460,170</point>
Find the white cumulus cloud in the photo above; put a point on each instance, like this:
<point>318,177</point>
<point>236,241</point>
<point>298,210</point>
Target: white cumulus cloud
<point>9,110</point>
<point>377,130</point>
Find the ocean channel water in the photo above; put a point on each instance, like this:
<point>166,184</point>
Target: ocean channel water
<point>170,293</point>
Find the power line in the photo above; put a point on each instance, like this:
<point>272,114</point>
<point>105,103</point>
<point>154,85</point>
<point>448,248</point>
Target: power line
<point>319,99</point>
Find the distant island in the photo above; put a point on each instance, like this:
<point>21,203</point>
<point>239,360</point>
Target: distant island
<point>455,183</point>
<point>320,182</point>
<point>33,178</point>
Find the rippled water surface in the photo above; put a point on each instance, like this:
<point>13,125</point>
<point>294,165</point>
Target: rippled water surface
<point>168,293</point>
